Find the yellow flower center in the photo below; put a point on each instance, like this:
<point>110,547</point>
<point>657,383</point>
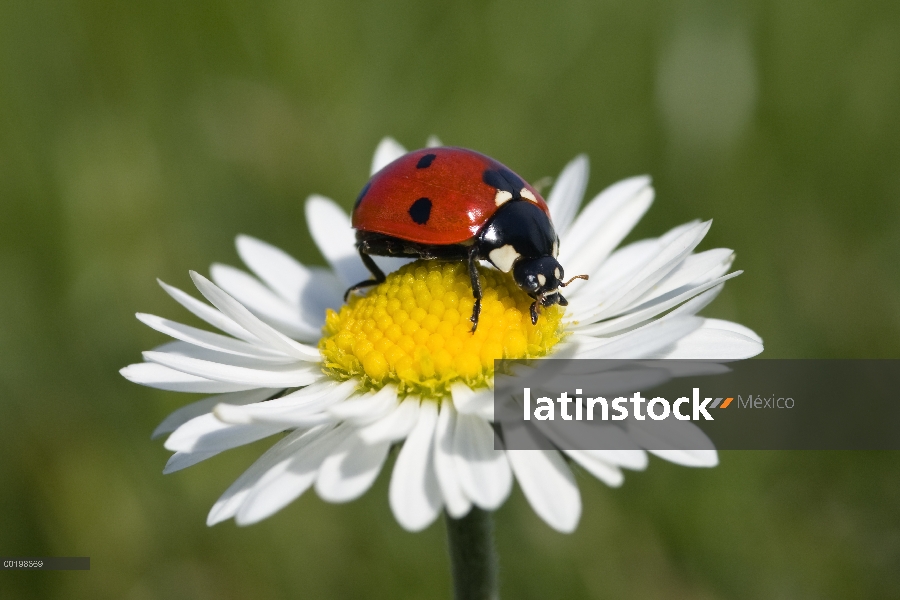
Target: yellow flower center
<point>413,330</point>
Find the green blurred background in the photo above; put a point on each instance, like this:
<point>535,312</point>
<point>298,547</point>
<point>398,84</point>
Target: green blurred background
<point>138,138</point>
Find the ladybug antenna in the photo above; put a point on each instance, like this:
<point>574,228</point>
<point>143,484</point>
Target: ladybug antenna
<point>585,277</point>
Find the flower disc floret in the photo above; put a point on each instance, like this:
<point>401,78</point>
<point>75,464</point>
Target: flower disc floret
<point>413,330</point>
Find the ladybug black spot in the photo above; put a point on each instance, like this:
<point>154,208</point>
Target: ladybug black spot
<point>426,161</point>
<point>362,195</point>
<point>503,179</point>
<point>420,211</point>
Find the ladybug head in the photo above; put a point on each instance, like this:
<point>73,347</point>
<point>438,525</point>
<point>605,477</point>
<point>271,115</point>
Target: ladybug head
<point>541,279</point>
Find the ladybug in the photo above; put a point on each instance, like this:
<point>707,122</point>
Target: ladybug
<point>454,203</point>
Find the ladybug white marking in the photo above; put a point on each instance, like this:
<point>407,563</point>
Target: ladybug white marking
<point>556,251</point>
<point>556,273</point>
<point>502,197</point>
<point>504,257</point>
<point>542,279</point>
<point>526,193</point>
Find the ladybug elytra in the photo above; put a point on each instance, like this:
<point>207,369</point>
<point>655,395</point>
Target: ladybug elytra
<point>453,203</point>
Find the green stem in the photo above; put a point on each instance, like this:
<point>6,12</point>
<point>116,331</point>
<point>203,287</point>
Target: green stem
<point>473,560</point>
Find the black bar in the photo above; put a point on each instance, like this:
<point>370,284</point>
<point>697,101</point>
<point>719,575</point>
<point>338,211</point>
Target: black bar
<point>45,563</point>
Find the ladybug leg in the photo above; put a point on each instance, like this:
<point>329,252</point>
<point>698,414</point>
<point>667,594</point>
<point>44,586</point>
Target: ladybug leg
<point>476,286</point>
<point>543,301</point>
<point>373,269</point>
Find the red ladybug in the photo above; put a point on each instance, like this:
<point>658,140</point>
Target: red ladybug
<point>453,203</point>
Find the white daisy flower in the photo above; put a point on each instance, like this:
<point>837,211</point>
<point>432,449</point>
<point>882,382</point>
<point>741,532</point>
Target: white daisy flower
<point>340,385</point>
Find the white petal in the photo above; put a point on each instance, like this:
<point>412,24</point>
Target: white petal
<point>732,326</point>
<point>350,469</point>
<point>612,274</point>
<point>287,480</point>
<point>202,407</point>
<point>469,402</point>
<point>648,310</point>
<point>230,501</point>
<point>243,317</point>
<point>694,270</point>
<point>263,302</point>
<point>414,493</point>
<point>388,151</point>
<point>366,408</point>
<point>713,342</point>
<point>395,426</point>
<point>309,401</point>
<point>669,257</point>
<point>599,468</point>
<point>677,231</point>
<point>567,193</point>
<point>622,267</point>
<point>207,433</point>
<point>644,342</point>
<point>278,269</point>
<point>284,274</point>
<point>325,290</point>
<point>681,442</point>
<point>285,420</point>
<point>483,472</point>
<point>330,228</point>
<point>458,505</point>
<point>566,435</point>
<point>604,222</point>
<point>178,348</point>
<point>163,378</point>
<point>689,458</point>
<point>311,290</point>
<point>275,377</point>
<point>696,304</point>
<point>299,419</point>
<point>433,142</point>
<point>208,314</point>
<point>183,460</point>
<point>628,459</point>
<point>210,340</point>
<point>549,486</point>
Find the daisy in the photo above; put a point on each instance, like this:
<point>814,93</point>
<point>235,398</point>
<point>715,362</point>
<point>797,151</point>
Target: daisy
<point>341,384</point>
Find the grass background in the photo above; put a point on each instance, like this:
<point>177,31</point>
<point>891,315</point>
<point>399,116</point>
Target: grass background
<point>138,138</point>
